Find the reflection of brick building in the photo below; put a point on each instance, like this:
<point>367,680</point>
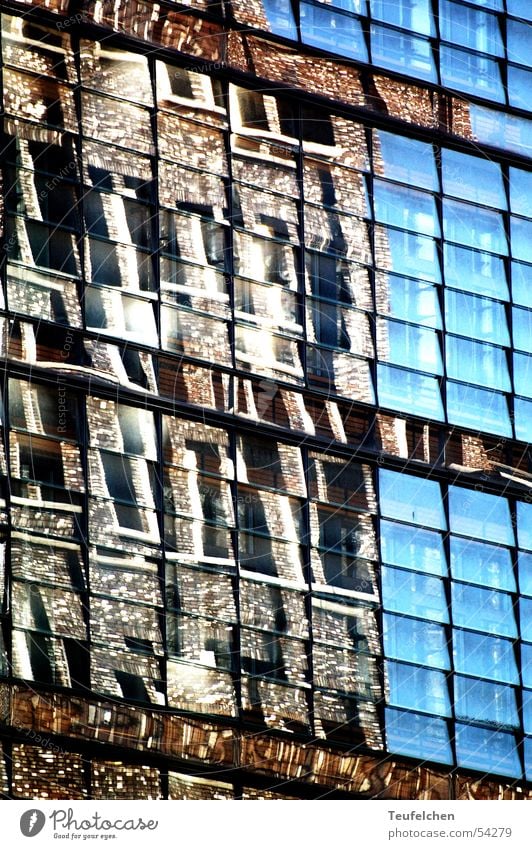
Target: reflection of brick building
<point>265,505</point>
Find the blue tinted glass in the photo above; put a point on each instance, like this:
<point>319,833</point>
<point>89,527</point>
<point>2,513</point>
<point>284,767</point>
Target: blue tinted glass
<point>486,657</point>
<point>481,515</point>
<point>334,31</point>
<point>525,573</point>
<point>519,84</point>
<point>405,160</point>
<point>500,129</point>
<point>415,640</point>
<point>470,27</point>
<point>475,271</point>
<point>409,14</point>
<point>528,753</point>
<point>400,51</point>
<point>419,689</point>
<point>478,408</point>
<point>405,207</point>
<point>417,736</point>
<point>483,610</point>
<point>414,594</point>
<point>523,375</point>
<point>487,750</point>
<point>473,226</point>
<point>471,72</point>
<point>407,253</point>
<point>485,702</point>
<point>527,711</point>
<point>482,364</point>
<point>521,191</point>
<point>526,664</point>
<point>521,230</point>
<point>411,499</point>
<point>472,178</point>
<point>406,545</point>
<point>519,8</point>
<point>478,318</point>
<point>409,345</point>
<point>522,329</point>
<point>411,300</point>
<point>522,284</point>
<point>525,611</point>
<point>523,419</point>
<point>480,563</point>
<point>519,41</point>
<point>409,392</point>
<point>280,18</point>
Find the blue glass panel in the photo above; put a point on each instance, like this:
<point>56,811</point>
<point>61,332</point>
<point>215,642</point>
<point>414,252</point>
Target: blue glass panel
<point>409,345</point>
<point>522,284</point>
<point>472,28</point>
<point>523,419</point>
<point>334,31</point>
<point>526,664</point>
<point>519,42</point>
<point>473,178</point>
<point>485,702</point>
<point>521,230</point>
<point>417,736</point>
<point>525,612</point>
<point>414,594</point>
<point>519,8</point>
<point>407,253</point>
<point>471,72</point>
<point>478,318</point>
<point>409,392</point>
<point>523,375</point>
<point>527,711</point>
<point>406,160</point>
<point>411,499</point>
<point>404,207</point>
<point>475,227</point>
<point>524,525</point>
<point>477,363</point>
<point>479,514</point>
<point>521,191</point>
<point>411,300</point>
<point>401,51</point>
<point>483,610</point>
<point>413,548</point>
<point>525,573</point>
<point>528,753</point>
<point>519,85</point>
<point>487,750</point>
<point>416,688</point>
<point>280,18</point>
<point>479,409</point>
<point>508,132</point>
<point>480,563</point>
<point>485,657</point>
<point>415,640</point>
<point>475,271</point>
<point>522,329</point>
<point>410,14</point>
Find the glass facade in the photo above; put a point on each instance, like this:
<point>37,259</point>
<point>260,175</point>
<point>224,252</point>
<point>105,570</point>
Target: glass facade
<point>264,463</point>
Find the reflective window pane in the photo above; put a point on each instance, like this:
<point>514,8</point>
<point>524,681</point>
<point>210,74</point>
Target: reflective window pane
<point>416,641</point>
<point>414,594</point>
<point>416,736</point>
<point>411,499</point>
<point>487,657</point>
<point>418,689</point>
<point>413,548</point>
<point>479,514</point>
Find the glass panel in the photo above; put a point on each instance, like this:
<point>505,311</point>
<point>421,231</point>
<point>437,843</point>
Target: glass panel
<point>526,664</point>
<point>519,82</point>
<point>408,345</point>
<point>471,28</point>
<point>418,689</point>
<point>487,750</point>
<point>487,657</point>
<point>413,548</point>
<point>402,52</point>
<point>482,364</point>
<point>509,132</point>
<point>522,329</point>
<point>416,641</point>
<point>409,392</point>
<point>280,18</point>
<point>519,41</point>
<point>525,573</point>
<point>482,564</point>
<point>484,610</point>
<point>410,14</point>
<point>472,73</point>
<point>416,736</point>
<point>478,408</point>
<point>523,419</point>
<point>414,594</point>
<point>521,230</point>
<point>521,191</point>
<point>523,375</point>
<point>404,207</point>
<point>407,253</point>
<point>473,178</point>
<point>477,228</point>
<point>405,160</point>
<point>475,271</point>
<point>334,31</point>
<point>519,8</point>
<point>525,611</point>
<point>411,499</point>
<point>479,514</point>
<point>479,318</point>
<point>485,702</point>
<point>527,711</point>
<point>411,300</point>
<point>522,284</point>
